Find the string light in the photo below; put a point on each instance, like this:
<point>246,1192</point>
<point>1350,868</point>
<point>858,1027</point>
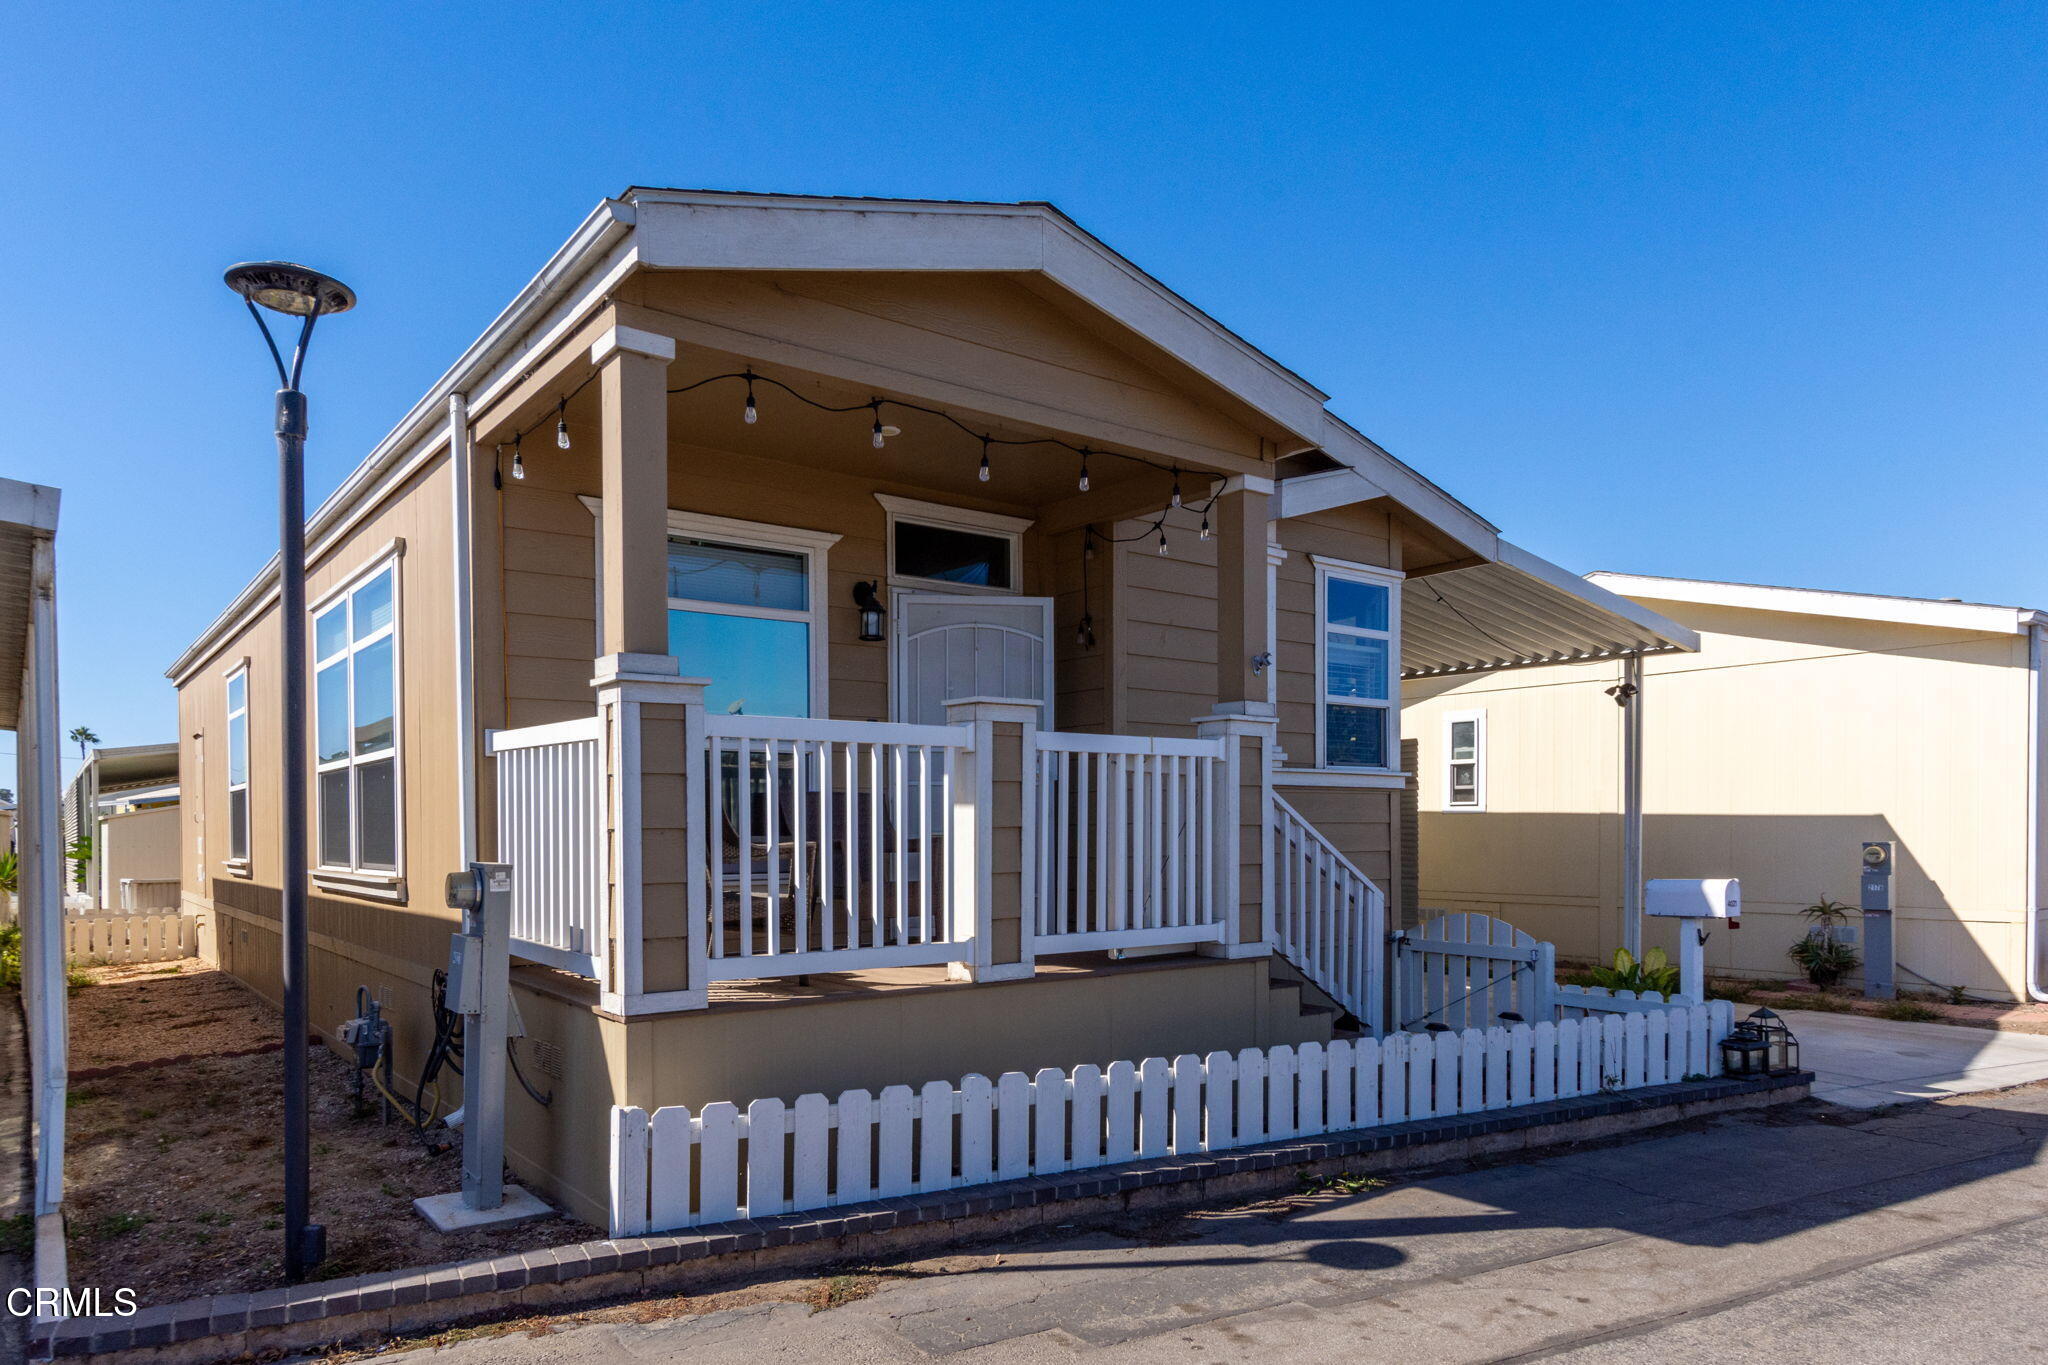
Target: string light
<point>1176,488</point>
<point>877,406</point>
<point>1084,633</point>
<point>1084,469</point>
<point>562,424</point>
<point>518,460</point>
<point>1161,527</point>
<point>1205,525</point>
<point>983,473</point>
<point>752,414</point>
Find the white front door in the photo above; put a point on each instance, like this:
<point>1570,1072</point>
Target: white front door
<point>952,645</point>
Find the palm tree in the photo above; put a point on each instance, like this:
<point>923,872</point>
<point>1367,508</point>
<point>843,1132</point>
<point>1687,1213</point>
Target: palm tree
<point>83,736</point>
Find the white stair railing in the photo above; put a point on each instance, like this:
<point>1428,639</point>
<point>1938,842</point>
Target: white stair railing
<point>1329,919</point>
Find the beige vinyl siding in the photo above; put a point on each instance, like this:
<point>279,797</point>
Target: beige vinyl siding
<point>1770,756</point>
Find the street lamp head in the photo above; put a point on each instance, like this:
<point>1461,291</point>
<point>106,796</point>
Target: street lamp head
<point>287,288</point>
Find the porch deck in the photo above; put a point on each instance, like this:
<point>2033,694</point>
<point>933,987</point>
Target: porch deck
<point>867,984</point>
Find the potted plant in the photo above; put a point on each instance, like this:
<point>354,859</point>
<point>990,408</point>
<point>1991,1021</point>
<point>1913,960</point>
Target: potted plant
<point>1822,953</point>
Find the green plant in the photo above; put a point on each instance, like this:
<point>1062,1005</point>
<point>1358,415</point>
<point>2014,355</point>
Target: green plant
<point>1909,1011</point>
<point>1653,973</point>
<point>116,1224</point>
<point>1821,953</point>
<point>1344,1182</point>
<point>79,855</point>
<point>10,871</point>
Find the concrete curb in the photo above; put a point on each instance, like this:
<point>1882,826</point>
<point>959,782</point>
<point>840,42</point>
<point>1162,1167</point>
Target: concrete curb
<point>227,1326</point>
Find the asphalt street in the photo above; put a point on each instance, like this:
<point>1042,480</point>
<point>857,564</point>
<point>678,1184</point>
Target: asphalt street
<point>1810,1234</point>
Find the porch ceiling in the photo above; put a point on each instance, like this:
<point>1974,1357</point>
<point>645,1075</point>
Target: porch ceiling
<point>28,512</point>
<point>1520,611</point>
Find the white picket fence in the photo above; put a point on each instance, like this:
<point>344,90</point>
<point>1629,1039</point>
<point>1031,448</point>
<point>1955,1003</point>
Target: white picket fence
<point>1329,918</point>
<point>676,1168</point>
<point>1466,970</point>
<point>130,938</point>
<point>551,828</point>
<point>1127,831</point>
<point>1580,1002</point>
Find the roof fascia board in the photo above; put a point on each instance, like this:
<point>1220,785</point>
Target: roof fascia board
<point>1377,468</point>
<point>684,231</point>
<point>1541,569</point>
<point>32,505</point>
<point>1911,611</point>
<point>544,309</point>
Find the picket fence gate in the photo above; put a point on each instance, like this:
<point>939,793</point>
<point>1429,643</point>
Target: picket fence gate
<point>678,1168</point>
<point>130,938</point>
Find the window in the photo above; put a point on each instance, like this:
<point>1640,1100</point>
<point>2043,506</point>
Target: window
<point>742,616</point>
<point>1465,760</point>
<point>952,549</point>
<point>355,711</point>
<point>238,765</point>
<point>1358,642</point>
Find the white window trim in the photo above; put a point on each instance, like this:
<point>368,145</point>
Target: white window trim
<point>240,866</point>
<point>814,546</point>
<point>378,882</point>
<point>1006,528</point>
<point>1478,719</point>
<point>1328,568</point>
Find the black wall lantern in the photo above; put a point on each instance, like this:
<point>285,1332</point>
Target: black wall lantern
<point>871,613</point>
<point>1761,1045</point>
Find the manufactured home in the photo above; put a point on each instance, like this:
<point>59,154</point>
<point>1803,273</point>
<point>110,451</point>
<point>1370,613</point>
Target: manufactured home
<point>888,640</point>
<point>1806,723</point>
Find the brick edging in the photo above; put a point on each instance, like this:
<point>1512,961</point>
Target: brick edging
<point>227,1325</point>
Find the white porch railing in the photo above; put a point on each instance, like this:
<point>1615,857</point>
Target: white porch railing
<point>551,828</point>
<point>1329,919</point>
<point>1128,841</point>
<point>830,845</point>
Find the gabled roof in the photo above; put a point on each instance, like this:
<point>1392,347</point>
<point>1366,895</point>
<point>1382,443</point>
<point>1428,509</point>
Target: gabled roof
<point>1949,612</point>
<point>676,229</point>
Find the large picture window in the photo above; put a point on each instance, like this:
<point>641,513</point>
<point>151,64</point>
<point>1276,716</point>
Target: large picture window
<point>355,690</point>
<point>1358,644</point>
<point>238,765</point>
<point>743,615</point>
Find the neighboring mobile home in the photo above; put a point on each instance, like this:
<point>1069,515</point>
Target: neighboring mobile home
<point>1807,722</point>
<point>125,801</point>
<point>889,639</point>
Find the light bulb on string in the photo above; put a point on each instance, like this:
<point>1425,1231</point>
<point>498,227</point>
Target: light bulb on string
<point>1162,538</point>
<point>1084,633</point>
<point>1084,469</point>
<point>562,424</point>
<point>752,413</point>
<point>518,460</point>
<point>878,426</point>
<point>1088,546</point>
<point>983,473</point>
<point>1176,488</point>
<point>1205,525</point>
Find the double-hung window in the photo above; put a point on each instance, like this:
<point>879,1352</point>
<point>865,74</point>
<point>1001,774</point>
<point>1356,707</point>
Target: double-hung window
<point>238,764</point>
<point>355,689</point>
<point>746,614</point>
<point>1465,760</point>
<point>1358,653</point>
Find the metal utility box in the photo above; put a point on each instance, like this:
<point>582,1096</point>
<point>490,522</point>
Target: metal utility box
<point>1693,898</point>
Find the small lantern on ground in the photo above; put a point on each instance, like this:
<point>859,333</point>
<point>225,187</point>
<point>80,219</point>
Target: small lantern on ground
<point>1761,1045</point>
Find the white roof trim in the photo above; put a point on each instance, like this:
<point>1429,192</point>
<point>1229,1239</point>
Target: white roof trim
<point>32,505</point>
<point>1855,606</point>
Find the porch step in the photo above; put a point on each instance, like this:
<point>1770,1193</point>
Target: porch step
<point>1328,1020</point>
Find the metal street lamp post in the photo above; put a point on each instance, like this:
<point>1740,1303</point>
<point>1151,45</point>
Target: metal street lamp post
<point>306,294</point>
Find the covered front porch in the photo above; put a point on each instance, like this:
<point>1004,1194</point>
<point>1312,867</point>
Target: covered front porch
<point>807,590</point>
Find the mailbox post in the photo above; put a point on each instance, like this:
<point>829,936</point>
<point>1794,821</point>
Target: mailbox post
<point>1693,902</point>
<point>1880,857</point>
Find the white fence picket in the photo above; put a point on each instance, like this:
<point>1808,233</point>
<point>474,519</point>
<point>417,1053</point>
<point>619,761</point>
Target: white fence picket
<point>676,1168</point>
<point>123,938</point>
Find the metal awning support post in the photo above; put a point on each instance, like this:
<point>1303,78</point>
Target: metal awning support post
<point>1630,696</point>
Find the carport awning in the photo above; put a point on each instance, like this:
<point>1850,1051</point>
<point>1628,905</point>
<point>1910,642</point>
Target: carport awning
<point>1518,611</point>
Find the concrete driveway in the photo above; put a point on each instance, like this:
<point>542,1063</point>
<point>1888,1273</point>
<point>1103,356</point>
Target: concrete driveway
<point>1802,1234</point>
<point>1866,1063</point>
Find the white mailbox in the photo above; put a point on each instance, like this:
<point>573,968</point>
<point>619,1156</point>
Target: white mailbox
<point>1690,898</point>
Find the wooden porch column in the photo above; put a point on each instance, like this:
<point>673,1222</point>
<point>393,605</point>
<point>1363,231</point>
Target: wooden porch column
<point>633,439</point>
<point>1242,516</point>
<point>994,872</point>
<point>1244,717</point>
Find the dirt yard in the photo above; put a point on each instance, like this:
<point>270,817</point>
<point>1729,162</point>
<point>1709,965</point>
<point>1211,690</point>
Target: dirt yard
<point>174,1158</point>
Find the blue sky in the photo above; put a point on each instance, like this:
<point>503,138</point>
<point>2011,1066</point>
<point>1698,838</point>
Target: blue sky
<point>1752,291</point>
